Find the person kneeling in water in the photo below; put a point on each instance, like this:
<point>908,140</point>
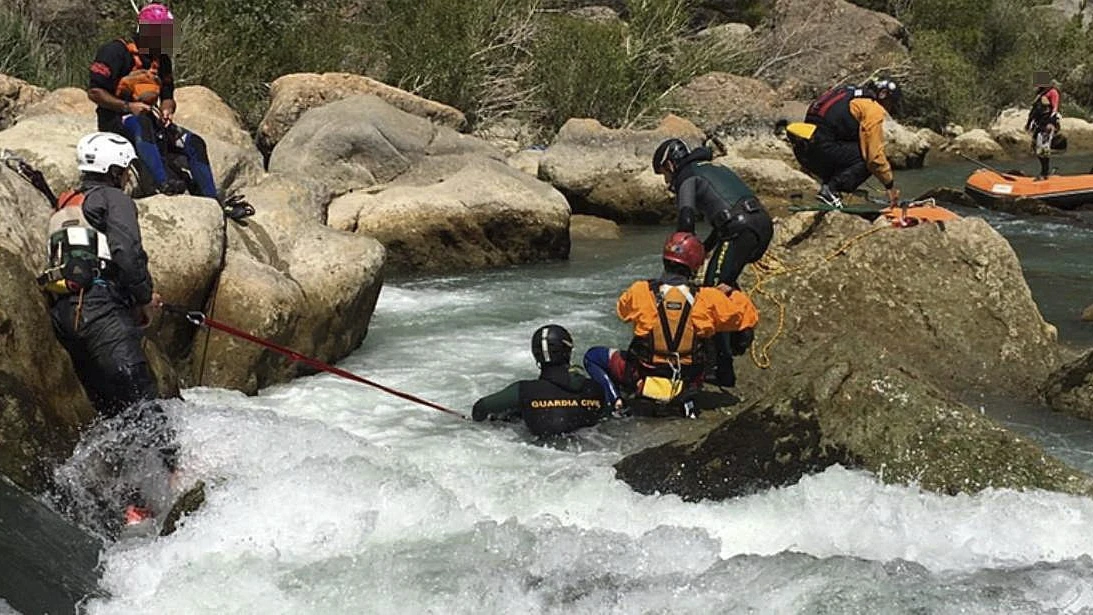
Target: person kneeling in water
<point>672,318</point>
<point>559,401</point>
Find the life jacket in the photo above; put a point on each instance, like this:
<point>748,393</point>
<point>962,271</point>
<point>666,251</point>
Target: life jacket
<point>1041,111</point>
<point>831,114</point>
<point>673,343</point>
<point>78,252</point>
<point>550,409</point>
<point>141,84</point>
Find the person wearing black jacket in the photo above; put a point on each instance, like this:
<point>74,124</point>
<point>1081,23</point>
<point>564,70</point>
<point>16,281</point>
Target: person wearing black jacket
<point>561,400</point>
<point>132,85</point>
<point>102,298</point>
<point>741,233</point>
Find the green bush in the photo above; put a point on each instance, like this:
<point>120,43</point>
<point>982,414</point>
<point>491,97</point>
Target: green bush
<point>581,70</point>
<point>27,53</point>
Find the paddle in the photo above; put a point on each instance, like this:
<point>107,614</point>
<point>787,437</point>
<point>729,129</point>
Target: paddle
<point>986,166</point>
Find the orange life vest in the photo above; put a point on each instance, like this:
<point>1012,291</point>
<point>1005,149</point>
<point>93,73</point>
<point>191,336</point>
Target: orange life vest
<point>141,84</point>
<point>673,342</point>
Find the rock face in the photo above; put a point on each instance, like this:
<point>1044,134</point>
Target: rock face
<point>42,406</point>
<point>485,214</point>
<point>184,238</point>
<point>292,95</point>
<point>855,375</point>
<point>905,148</point>
<point>773,180</point>
<point>291,280</point>
<point>606,173</point>
<point>859,415</point>
<point>721,101</point>
<point>1070,389</point>
<point>363,141</point>
<point>802,52</point>
<point>976,144</point>
<point>1008,129</point>
<point>62,101</point>
<point>48,142</point>
<point>15,95</point>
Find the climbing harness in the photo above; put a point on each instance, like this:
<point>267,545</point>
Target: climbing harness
<point>199,319</point>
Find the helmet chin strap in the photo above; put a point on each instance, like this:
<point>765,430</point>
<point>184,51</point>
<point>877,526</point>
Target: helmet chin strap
<point>133,3</point>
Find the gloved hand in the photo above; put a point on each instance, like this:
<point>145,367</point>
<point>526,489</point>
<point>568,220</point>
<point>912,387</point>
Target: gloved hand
<point>893,196</point>
<point>740,341</point>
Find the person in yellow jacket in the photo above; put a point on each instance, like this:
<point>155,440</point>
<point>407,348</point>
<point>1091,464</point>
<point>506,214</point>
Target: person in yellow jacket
<point>672,319</point>
<point>848,144</point>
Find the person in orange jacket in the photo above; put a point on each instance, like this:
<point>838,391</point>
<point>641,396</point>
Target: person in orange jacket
<point>672,319</point>
<point>848,145</point>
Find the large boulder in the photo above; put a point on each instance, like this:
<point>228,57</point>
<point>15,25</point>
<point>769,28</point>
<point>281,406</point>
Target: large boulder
<point>1008,129</point>
<point>62,101</point>
<point>202,111</point>
<point>48,142</point>
<point>1079,133</point>
<point>1070,389</point>
<point>801,48</point>
<point>908,295</point>
<point>606,172</point>
<point>15,95</point>
<point>905,148</point>
<point>184,238</point>
<point>289,279</point>
<point>722,101</point>
<point>42,405</point>
<point>292,95</point>
<point>362,141</point>
<point>976,143</point>
<point>485,214</point>
<point>774,181</point>
<point>854,318</point>
<point>859,414</point>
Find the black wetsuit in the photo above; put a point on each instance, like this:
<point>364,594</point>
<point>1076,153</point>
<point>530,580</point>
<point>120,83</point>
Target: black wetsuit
<point>559,401</point>
<point>99,327</point>
<point>742,228</point>
<point>742,231</point>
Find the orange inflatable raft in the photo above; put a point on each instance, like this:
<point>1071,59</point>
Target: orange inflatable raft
<point>987,187</point>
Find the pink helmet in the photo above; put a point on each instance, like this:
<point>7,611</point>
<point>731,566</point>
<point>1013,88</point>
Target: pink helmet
<point>155,14</point>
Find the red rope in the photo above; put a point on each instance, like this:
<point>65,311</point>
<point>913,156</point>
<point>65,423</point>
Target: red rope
<point>199,319</point>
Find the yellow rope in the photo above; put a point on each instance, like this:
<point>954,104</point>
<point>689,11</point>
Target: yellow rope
<point>770,267</point>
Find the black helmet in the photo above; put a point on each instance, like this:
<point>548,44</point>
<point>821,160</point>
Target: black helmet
<point>672,150</point>
<point>886,91</point>
<point>551,345</point>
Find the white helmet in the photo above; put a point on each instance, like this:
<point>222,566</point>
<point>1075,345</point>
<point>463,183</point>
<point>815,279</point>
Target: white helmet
<point>98,151</point>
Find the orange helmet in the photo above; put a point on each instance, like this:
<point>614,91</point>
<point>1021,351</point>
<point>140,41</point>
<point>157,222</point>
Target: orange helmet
<point>685,249</point>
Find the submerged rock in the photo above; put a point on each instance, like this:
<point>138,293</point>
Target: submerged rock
<point>1070,389</point>
<point>859,415</point>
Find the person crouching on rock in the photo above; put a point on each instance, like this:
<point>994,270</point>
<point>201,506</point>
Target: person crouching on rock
<point>671,319</point>
<point>741,226</point>
<point>101,292</point>
<point>127,80</point>
<point>561,400</point>
<point>848,144</point>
